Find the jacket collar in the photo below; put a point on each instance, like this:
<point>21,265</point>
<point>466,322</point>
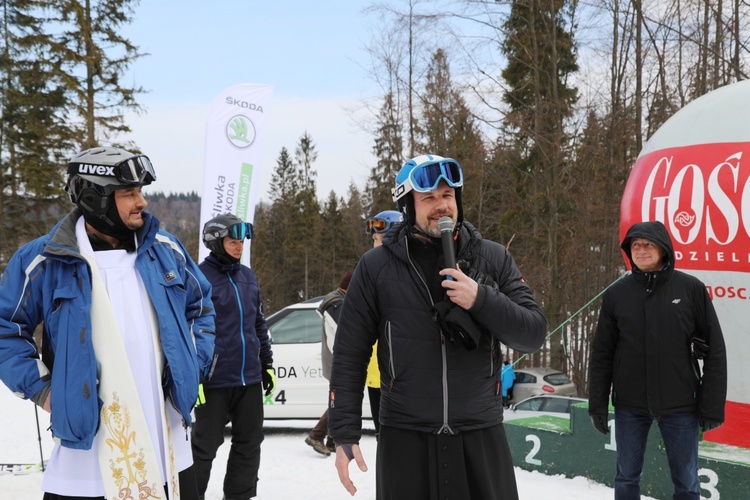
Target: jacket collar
<point>212,261</point>
<point>397,241</point>
<point>63,243</point>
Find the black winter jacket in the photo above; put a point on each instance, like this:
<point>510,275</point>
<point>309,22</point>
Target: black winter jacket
<point>427,383</point>
<point>242,342</point>
<point>641,348</point>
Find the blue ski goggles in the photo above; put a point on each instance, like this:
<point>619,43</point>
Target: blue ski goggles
<point>428,177</point>
<point>240,231</point>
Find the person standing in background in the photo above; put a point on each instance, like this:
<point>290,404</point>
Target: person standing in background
<point>128,335</point>
<point>507,378</point>
<point>377,227</point>
<point>439,330</point>
<point>329,309</point>
<point>244,363</point>
<point>649,324</point>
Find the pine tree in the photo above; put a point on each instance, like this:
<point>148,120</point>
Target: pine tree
<point>273,227</point>
<point>388,149</point>
<point>93,57</point>
<point>541,57</point>
<point>34,135</point>
<point>449,129</point>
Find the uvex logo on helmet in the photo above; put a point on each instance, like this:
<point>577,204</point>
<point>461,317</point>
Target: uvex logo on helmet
<point>86,169</point>
<point>702,195</point>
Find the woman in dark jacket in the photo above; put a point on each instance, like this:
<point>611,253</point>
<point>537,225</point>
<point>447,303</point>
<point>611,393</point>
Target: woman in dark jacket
<point>243,361</point>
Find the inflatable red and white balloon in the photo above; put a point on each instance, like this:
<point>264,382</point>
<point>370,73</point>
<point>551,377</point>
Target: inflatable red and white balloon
<point>693,175</point>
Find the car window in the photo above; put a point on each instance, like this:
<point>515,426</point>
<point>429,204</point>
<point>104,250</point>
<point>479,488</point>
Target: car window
<point>530,404</point>
<point>558,405</point>
<point>298,327</point>
<point>524,378</point>
<point>557,379</point>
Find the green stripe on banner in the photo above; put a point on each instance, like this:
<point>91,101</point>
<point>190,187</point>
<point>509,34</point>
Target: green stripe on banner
<point>243,192</point>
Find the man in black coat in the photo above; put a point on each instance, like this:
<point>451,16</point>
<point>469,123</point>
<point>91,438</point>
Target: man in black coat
<point>649,324</point>
<point>439,331</point>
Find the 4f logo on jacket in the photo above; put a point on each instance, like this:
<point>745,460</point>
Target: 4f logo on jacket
<point>676,301</point>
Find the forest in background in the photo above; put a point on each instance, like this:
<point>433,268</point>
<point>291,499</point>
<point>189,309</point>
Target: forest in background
<point>545,103</point>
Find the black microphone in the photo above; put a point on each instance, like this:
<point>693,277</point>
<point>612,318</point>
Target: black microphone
<point>445,224</point>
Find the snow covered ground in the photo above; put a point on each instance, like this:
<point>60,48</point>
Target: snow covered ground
<point>289,468</point>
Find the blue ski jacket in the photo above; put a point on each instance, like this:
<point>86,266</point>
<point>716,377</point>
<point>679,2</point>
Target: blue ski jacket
<point>48,281</point>
<point>242,342</point>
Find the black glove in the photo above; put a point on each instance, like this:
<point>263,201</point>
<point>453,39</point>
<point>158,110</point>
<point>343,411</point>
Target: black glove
<point>709,425</point>
<point>699,347</point>
<point>268,376</point>
<point>348,451</point>
<point>600,423</point>
<point>480,278</point>
<point>457,324</point>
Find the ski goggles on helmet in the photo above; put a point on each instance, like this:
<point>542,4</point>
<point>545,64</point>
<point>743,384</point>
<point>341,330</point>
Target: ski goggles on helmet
<point>136,170</point>
<point>240,231</point>
<point>427,177</point>
<point>377,225</point>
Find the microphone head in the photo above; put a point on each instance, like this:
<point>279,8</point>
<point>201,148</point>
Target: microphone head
<point>445,223</point>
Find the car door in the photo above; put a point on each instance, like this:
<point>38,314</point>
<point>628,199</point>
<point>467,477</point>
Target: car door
<point>301,390</point>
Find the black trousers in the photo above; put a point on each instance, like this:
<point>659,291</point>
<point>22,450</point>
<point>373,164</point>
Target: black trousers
<point>476,465</point>
<point>243,407</point>
<point>374,394</point>
<point>188,489</point>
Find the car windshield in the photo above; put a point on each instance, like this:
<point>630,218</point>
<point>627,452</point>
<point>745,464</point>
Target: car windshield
<point>557,379</point>
<point>303,326</point>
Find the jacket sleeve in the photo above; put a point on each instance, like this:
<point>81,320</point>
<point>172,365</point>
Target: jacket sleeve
<point>713,391</point>
<point>602,360</point>
<point>510,312</point>
<point>356,333</point>
<point>200,313</point>
<point>21,368</point>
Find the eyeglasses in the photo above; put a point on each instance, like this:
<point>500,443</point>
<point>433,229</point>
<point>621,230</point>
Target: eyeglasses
<point>428,177</point>
<point>240,231</point>
<point>646,245</point>
<point>377,225</point>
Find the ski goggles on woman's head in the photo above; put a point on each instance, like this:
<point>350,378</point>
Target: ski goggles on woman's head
<point>428,177</point>
<point>240,231</point>
<point>377,225</point>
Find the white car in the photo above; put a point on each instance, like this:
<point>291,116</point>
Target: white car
<point>535,406</point>
<point>539,381</point>
<point>301,390</point>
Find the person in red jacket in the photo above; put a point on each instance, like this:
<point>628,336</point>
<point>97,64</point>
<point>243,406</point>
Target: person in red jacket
<point>641,355</point>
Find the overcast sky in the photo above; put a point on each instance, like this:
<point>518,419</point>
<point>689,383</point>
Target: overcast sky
<point>312,53</point>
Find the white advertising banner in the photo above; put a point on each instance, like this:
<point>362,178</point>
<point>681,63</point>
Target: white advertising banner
<point>236,132</point>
